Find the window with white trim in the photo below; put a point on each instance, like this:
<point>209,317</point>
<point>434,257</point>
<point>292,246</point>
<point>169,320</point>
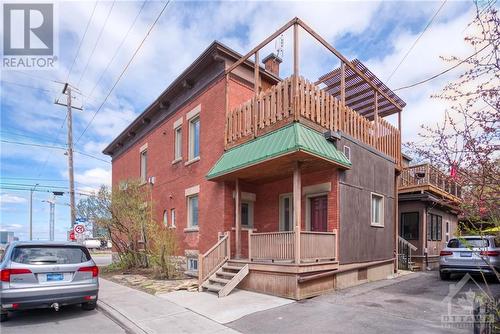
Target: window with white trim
<point>192,203</point>
<point>194,138</point>
<point>286,212</point>
<point>178,143</point>
<point>172,217</point>
<point>247,214</point>
<point>144,165</point>
<point>377,210</point>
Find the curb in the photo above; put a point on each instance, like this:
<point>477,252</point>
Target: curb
<point>128,325</point>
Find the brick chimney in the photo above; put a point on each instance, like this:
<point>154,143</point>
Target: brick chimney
<point>272,64</point>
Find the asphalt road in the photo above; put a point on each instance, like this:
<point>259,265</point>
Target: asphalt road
<point>69,319</point>
<point>409,304</point>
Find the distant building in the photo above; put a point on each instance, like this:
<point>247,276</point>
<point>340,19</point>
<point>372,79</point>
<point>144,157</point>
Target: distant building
<point>6,237</point>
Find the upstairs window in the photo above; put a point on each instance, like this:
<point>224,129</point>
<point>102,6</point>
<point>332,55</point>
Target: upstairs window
<point>347,152</point>
<point>165,218</point>
<point>193,211</point>
<point>172,217</point>
<point>377,210</point>
<point>178,143</point>
<point>144,165</point>
<point>194,138</point>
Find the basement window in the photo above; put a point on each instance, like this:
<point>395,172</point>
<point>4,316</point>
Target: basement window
<point>192,264</point>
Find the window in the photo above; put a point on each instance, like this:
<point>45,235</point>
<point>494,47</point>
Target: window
<point>447,231</point>
<point>178,143</point>
<point>50,254</point>
<point>247,214</point>
<point>286,213</point>
<point>194,138</point>
<point>165,218</point>
<point>144,165</point>
<point>172,217</point>
<point>193,211</point>
<point>347,152</point>
<point>468,243</point>
<point>377,210</point>
<point>192,264</point>
<point>409,225</point>
<point>434,227</point>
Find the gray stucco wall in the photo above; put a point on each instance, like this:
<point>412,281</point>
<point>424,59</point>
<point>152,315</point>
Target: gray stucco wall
<point>370,172</point>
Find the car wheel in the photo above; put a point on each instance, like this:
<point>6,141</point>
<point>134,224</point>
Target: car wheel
<point>3,317</point>
<point>444,276</point>
<point>89,306</point>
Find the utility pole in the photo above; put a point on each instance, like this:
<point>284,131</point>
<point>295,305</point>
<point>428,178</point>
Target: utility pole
<point>31,210</point>
<point>67,91</point>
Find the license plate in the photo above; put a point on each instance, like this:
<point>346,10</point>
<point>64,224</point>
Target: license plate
<point>466,254</point>
<point>54,277</point>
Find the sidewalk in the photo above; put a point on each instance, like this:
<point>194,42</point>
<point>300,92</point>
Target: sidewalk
<point>140,312</point>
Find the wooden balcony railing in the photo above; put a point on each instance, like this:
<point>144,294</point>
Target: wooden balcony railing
<point>214,258</point>
<point>428,176</point>
<point>280,105</point>
<point>280,246</point>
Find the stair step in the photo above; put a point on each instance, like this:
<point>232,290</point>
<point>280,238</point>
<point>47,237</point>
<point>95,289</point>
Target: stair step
<point>218,280</point>
<point>225,273</point>
<point>228,267</point>
<point>212,287</point>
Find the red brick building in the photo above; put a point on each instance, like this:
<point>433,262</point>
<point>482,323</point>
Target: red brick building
<point>312,168</point>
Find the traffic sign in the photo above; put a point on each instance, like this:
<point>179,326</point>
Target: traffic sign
<point>79,229</point>
<point>72,235</point>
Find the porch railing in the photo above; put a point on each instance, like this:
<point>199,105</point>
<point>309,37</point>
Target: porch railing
<point>276,106</point>
<point>280,246</point>
<point>426,174</point>
<point>214,258</point>
<point>318,246</point>
<point>271,246</point>
<point>404,255</point>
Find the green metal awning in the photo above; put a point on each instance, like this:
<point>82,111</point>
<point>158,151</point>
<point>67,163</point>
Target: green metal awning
<point>291,138</point>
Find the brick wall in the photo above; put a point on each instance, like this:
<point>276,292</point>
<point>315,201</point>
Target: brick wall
<point>173,179</point>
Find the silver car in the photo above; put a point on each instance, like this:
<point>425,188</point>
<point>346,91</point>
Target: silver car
<point>47,274</point>
<point>470,254</point>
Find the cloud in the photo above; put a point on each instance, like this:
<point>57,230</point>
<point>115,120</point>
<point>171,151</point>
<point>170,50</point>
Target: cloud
<point>11,199</point>
<point>93,178</point>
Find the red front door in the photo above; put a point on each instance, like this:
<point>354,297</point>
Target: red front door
<point>319,213</point>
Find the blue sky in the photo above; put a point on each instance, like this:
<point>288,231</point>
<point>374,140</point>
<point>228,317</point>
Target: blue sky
<point>378,33</point>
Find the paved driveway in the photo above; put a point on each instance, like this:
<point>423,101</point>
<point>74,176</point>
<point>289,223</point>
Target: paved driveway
<point>409,304</point>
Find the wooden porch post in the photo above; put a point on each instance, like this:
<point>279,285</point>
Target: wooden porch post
<point>297,199</point>
<point>256,88</point>
<point>296,111</point>
<point>237,208</point>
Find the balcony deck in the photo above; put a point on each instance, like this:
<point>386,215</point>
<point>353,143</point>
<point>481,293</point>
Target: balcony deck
<point>425,177</point>
<point>312,106</point>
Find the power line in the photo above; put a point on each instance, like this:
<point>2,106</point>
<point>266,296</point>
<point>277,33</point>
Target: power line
<point>96,42</point>
<point>118,49</point>
<point>442,72</point>
<point>51,146</point>
<point>124,70</point>
<point>81,41</point>
<point>416,41</point>
<point>47,190</point>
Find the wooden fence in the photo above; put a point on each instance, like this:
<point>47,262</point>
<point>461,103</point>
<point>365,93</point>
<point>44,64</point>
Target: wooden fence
<point>280,105</point>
